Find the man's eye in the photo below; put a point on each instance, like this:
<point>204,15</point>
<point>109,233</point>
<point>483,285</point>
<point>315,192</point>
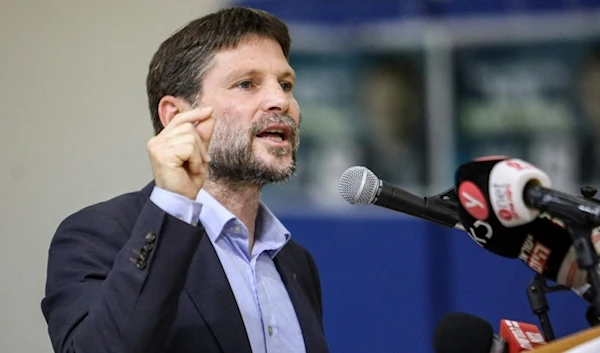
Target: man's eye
<point>286,86</point>
<point>245,84</point>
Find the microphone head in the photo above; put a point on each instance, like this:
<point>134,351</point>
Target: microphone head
<point>358,185</point>
<point>462,333</point>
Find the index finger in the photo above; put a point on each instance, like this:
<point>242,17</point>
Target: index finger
<point>191,116</point>
<point>205,130</point>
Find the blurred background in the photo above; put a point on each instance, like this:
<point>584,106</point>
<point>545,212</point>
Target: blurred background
<point>408,88</point>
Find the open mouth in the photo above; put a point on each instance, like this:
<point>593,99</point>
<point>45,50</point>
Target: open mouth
<point>275,133</point>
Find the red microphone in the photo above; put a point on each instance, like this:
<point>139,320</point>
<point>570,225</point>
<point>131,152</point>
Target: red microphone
<point>520,336</point>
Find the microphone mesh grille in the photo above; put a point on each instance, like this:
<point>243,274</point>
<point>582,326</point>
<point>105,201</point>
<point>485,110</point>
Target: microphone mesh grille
<point>358,185</point>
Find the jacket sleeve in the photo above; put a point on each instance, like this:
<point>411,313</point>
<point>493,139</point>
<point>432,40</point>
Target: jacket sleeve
<point>113,286</point>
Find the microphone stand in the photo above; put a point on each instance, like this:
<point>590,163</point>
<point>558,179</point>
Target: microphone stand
<point>579,223</point>
<point>587,258</point>
<point>536,292</point>
<point>592,315</point>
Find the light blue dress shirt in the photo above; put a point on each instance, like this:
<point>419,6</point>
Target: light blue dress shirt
<point>263,301</point>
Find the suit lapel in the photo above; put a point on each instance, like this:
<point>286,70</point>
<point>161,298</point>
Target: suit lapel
<point>314,340</point>
<point>210,291</point>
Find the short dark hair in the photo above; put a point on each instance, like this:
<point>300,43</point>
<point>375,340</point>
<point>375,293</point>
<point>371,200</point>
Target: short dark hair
<point>180,63</point>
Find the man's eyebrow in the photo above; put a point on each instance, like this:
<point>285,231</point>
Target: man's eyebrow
<point>288,73</point>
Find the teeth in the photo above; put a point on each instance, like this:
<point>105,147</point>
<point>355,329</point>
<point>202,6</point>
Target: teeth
<point>277,135</point>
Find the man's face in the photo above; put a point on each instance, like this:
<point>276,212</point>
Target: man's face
<point>256,132</point>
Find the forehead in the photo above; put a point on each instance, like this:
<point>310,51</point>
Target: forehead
<point>251,53</point>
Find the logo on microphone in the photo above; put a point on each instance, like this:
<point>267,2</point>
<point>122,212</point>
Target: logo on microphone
<point>518,165</point>
<point>503,198</point>
<point>520,336</point>
<point>472,200</point>
<point>534,254</point>
<point>507,180</point>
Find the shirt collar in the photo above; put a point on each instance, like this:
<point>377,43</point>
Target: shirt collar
<point>215,218</point>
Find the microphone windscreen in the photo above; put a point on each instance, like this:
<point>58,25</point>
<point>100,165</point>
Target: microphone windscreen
<point>462,333</point>
<point>358,185</point>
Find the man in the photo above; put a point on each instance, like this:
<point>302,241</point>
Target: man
<point>195,262</point>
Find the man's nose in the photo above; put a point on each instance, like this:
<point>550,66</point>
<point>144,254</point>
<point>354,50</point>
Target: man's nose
<point>276,99</point>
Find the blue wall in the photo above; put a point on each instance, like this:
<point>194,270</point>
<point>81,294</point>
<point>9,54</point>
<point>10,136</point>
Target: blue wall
<point>387,281</point>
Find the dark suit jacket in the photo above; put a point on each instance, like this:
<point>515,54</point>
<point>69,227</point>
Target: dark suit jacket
<point>124,276</point>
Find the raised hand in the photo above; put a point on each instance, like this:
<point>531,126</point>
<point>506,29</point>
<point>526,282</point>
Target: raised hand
<point>179,153</point>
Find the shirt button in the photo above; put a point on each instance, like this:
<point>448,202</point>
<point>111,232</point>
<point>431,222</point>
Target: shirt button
<point>270,331</point>
<point>237,228</point>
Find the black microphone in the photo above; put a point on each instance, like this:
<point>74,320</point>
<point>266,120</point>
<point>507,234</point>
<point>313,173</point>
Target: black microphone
<point>579,210</point>
<point>519,192</point>
<point>465,333</point>
<point>495,196</point>
<point>359,185</point>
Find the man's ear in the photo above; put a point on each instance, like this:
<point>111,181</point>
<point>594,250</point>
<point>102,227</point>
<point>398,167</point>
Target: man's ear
<point>170,106</point>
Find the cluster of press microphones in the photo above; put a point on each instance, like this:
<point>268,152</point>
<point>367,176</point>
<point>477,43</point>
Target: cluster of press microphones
<point>506,206</point>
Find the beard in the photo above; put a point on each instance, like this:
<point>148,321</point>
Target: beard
<point>233,159</point>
